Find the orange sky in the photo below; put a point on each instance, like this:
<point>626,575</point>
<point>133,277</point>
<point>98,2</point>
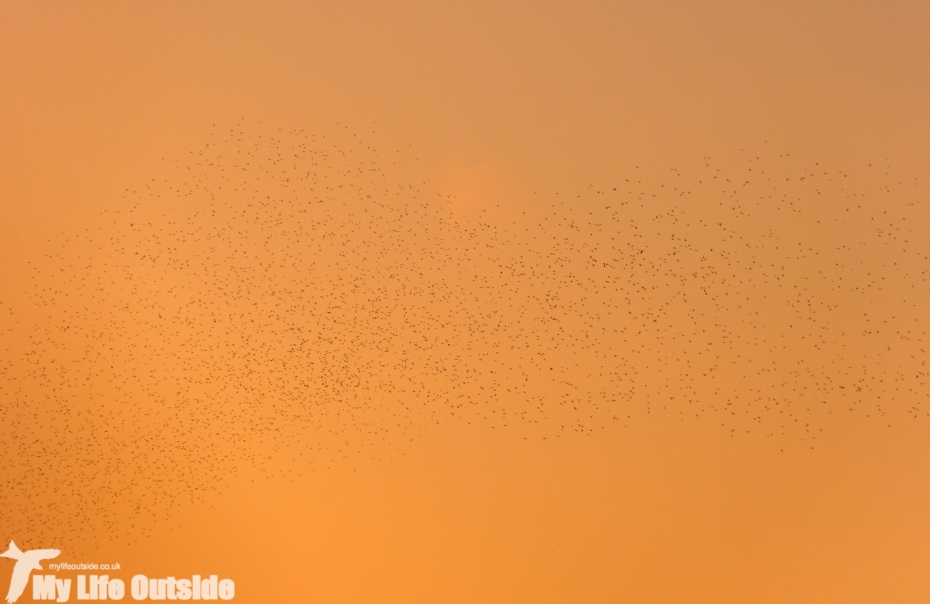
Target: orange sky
<point>457,302</point>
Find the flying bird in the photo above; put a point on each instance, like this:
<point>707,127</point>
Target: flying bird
<point>25,563</point>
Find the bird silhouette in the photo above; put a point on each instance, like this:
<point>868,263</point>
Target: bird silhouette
<point>26,562</point>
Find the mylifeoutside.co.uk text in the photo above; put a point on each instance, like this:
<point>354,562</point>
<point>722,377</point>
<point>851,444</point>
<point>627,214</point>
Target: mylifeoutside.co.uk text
<point>83,566</point>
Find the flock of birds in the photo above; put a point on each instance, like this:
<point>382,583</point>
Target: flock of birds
<point>276,296</point>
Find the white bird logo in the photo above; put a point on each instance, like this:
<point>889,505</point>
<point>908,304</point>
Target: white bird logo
<point>25,563</point>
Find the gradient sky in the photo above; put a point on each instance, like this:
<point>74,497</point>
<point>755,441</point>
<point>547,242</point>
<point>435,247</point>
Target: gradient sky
<point>749,175</point>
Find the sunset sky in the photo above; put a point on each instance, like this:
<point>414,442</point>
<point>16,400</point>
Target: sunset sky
<point>470,301</point>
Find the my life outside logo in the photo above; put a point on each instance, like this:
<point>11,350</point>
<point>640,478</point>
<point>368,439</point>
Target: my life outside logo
<point>103,586</point>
